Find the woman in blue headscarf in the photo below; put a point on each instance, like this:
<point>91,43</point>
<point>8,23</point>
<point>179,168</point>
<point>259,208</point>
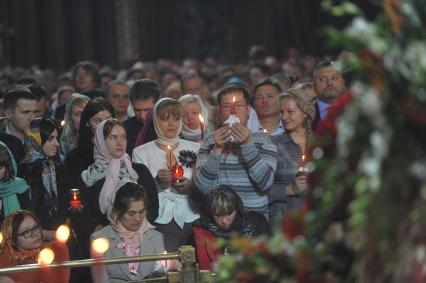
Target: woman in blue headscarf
<point>14,191</point>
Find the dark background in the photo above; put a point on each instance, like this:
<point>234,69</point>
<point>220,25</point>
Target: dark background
<point>58,33</point>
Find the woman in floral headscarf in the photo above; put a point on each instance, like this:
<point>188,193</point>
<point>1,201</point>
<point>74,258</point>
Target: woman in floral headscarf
<point>112,168</point>
<point>47,178</point>
<point>175,213</point>
<point>14,191</point>
<point>22,237</point>
<point>73,110</point>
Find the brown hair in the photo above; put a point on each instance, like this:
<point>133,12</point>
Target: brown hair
<point>12,223</point>
<point>5,160</point>
<point>223,202</point>
<point>110,124</point>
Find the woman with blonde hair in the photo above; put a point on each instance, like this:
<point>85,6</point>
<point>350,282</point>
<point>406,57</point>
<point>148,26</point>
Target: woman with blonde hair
<point>175,213</point>
<point>193,129</point>
<point>287,191</point>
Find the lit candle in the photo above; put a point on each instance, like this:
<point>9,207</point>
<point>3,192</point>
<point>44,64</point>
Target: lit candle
<point>177,173</point>
<point>62,233</point>
<point>233,106</point>
<point>75,198</point>
<point>165,261</point>
<point>169,163</point>
<point>62,123</point>
<point>201,125</point>
<point>301,169</point>
<point>46,256</point>
<point>99,247</point>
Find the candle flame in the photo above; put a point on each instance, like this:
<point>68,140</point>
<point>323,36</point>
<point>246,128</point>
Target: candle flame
<point>62,123</point>
<point>1,238</point>
<point>100,245</point>
<point>46,256</point>
<point>303,157</point>
<point>62,233</point>
<point>201,118</point>
<point>169,148</point>
<point>233,99</point>
<point>265,131</point>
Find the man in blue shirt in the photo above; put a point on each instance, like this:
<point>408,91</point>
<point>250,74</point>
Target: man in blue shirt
<point>329,85</point>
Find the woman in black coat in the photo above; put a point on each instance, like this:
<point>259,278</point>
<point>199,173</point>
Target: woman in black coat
<point>78,159</point>
<point>47,178</point>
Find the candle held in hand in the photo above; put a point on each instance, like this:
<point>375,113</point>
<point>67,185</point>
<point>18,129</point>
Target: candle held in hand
<point>75,200</point>
<point>177,173</point>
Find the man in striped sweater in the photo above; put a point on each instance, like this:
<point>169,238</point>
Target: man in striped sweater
<point>235,156</point>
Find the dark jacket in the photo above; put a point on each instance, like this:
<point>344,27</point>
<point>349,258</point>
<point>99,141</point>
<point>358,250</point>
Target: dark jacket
<point>247,224</point>
<point>133,126</point>
<point>32,173</point>
<point>77,161</point>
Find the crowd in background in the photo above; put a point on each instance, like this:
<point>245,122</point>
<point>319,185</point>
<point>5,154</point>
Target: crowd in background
<point>162,154</point>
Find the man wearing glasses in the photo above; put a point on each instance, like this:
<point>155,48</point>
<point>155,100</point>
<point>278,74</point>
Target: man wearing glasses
<point>235,156</point>
<point>329,85</point>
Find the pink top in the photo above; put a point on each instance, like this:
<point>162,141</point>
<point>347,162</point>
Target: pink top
<point>130,251</point>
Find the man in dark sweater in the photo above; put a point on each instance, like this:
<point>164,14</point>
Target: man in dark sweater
<point>143,96</point>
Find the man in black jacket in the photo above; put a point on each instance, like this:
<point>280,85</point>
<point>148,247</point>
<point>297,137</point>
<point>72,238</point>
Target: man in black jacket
<point>143,96</point>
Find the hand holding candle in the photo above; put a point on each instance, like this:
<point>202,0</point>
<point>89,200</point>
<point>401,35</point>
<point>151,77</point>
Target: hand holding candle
<point>301,170</point>
<point>177,173</point>
<point>75,201</point>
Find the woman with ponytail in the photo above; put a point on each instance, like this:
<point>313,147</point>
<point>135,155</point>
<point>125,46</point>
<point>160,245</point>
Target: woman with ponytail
<point>286,194</point>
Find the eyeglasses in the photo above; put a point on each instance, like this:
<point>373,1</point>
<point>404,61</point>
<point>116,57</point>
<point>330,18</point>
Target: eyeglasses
<point>30,232</point>
<point>228,107</point>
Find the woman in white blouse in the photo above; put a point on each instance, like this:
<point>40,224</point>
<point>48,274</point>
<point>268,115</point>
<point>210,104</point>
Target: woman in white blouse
<point>175,213</point>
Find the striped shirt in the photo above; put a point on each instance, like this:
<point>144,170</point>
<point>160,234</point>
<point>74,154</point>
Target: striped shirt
<point>248,168</point>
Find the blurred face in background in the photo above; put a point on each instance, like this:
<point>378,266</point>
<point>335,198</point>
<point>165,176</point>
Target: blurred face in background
<point>191,115</point>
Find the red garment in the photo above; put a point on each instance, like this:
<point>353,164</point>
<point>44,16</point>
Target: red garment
<point>45,275</point>
<point>204,245</point>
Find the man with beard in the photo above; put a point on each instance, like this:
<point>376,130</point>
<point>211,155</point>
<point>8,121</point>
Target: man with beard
<point>329,85</point>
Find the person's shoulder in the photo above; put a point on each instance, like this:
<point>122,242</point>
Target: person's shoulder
<point>144,147</point>
<point>154,234</point>
<point>189,144</point>
<point>261,137</point>
<point>131,122</point>
<point>102,233</point>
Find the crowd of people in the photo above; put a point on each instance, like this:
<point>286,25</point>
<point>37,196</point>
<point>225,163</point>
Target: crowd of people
<point>161,155</point>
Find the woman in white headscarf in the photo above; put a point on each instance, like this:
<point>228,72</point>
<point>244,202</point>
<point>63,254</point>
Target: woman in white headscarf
<point>193,109</point>
<point>175,213</point>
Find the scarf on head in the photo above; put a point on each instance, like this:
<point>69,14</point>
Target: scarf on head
<point>105,166</point>
<point>12,187</point>
<point>129,236</point>
<point>19,257</point>
<point>69,137</point>
<point>161,139</point>
<point>48,174</point>
<point>195,135</point>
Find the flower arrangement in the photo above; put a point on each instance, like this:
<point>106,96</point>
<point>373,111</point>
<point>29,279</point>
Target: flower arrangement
<point>365,216</point>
